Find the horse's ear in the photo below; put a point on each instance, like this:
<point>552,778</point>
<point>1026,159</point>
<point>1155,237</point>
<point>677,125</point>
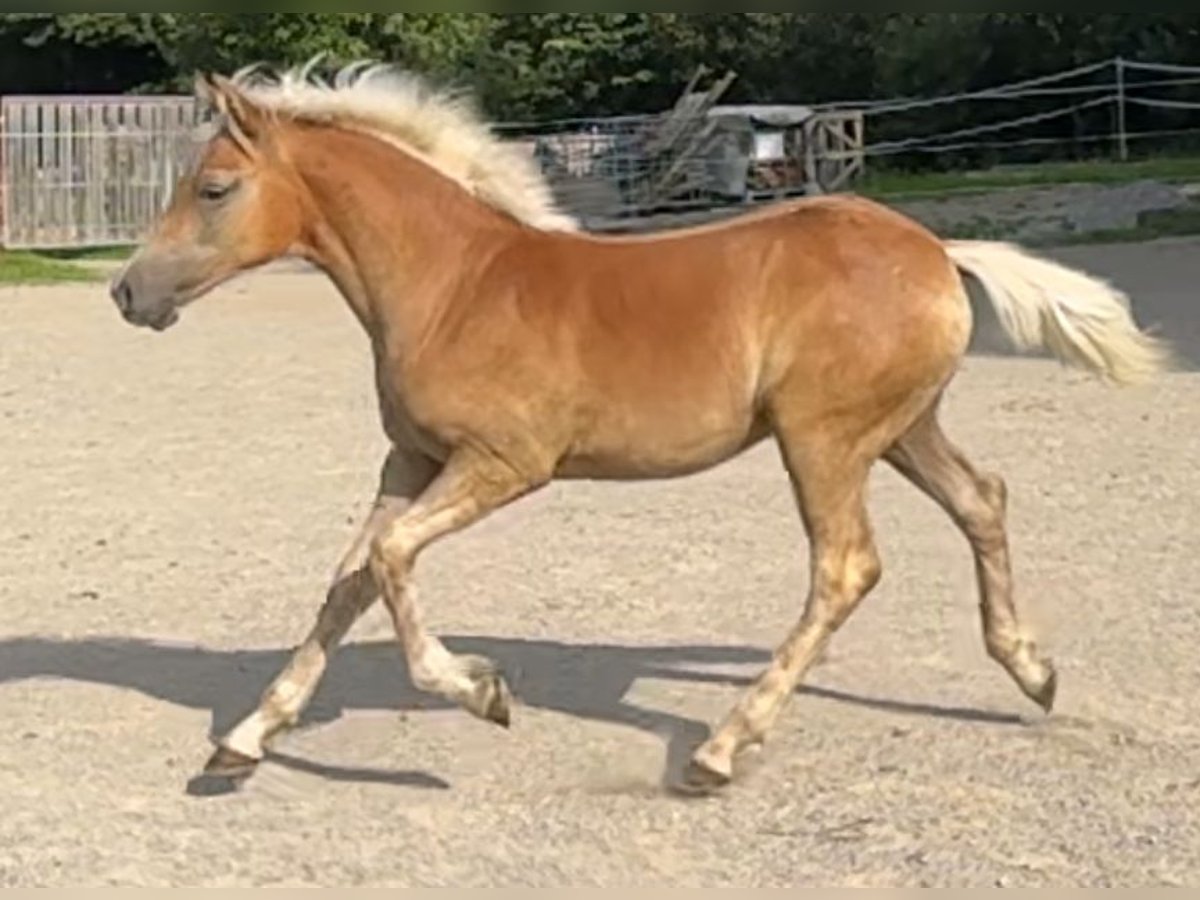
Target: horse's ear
<point>202,88</point>
<point>245,120</point>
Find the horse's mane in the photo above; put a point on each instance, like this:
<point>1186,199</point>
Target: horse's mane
<point>441,127</point>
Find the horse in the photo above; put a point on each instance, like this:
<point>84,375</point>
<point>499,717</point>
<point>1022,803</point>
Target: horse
<point>513,349</point>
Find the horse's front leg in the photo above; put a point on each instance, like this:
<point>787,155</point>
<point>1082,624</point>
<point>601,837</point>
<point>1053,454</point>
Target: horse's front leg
<point>353,591</point>
<point>471,486</point>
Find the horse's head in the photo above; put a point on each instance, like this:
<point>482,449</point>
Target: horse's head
<point>239,206</point>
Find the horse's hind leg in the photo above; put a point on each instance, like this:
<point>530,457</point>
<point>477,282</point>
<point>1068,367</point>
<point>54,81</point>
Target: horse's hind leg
<point>831,484</point>
<point>977,503</point>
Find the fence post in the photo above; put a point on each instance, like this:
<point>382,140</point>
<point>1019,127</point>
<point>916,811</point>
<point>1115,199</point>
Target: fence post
<point>3,179</point>
<point>1122,125</point>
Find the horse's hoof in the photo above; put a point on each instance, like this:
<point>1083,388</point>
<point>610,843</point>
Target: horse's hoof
<point>702,780</point>
<point>226,763</point>
<point>1048,693</point>
<point>224,773</point>
<point>499,708</point>
<point>491,699</point>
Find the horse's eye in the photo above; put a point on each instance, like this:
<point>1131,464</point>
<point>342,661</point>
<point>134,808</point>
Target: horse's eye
<point>216,190</point>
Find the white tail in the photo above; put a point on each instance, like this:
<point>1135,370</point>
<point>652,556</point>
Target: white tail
<point>1043,305</point>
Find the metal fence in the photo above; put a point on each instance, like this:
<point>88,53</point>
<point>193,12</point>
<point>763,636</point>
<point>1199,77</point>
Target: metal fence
<point>610,172</point>
<point>88,171</point>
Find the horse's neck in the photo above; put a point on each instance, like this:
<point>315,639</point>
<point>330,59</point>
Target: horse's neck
<point>388,230</point>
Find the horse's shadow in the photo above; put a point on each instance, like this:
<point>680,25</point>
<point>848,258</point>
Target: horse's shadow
<point>585,681</point>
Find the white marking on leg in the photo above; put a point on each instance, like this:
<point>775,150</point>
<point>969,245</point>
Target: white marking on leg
<point>248,736</point>
<point>435,669</point>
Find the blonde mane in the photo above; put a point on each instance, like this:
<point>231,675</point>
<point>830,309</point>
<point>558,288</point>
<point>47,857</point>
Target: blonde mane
<point>440,127</point>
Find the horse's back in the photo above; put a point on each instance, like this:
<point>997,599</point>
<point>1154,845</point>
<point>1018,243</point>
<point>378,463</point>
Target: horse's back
<point>823,284</point>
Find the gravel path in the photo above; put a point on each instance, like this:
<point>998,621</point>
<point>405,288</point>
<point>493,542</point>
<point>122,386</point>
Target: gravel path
<point>174,503</point>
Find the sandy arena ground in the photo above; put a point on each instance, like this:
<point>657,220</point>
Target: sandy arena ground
<point>172,506</point>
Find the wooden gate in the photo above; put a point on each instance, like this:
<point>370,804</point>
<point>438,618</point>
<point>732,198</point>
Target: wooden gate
<point>834,153</point>
<point>88,171</point>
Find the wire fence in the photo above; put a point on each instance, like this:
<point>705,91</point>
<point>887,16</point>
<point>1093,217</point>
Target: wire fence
<point>1115,108</point>
<point>80,172</point>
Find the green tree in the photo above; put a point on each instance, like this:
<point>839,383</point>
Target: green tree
<point>553,65</point>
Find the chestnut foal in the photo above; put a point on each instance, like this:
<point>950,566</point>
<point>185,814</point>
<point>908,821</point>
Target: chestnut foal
<point>511,349</point>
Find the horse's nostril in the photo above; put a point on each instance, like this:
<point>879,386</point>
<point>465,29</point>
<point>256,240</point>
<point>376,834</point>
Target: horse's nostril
<point>122,295</point>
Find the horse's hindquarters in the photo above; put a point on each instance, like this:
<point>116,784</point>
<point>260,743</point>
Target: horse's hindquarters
<point>876,324</point>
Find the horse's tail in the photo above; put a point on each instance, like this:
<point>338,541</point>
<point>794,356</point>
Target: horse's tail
<point>1043,305</point>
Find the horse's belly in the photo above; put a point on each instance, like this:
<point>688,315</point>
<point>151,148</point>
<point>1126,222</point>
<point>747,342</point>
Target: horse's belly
<point>667,451</point>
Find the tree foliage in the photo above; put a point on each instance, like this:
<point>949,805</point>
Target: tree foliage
<point>539,65</point>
